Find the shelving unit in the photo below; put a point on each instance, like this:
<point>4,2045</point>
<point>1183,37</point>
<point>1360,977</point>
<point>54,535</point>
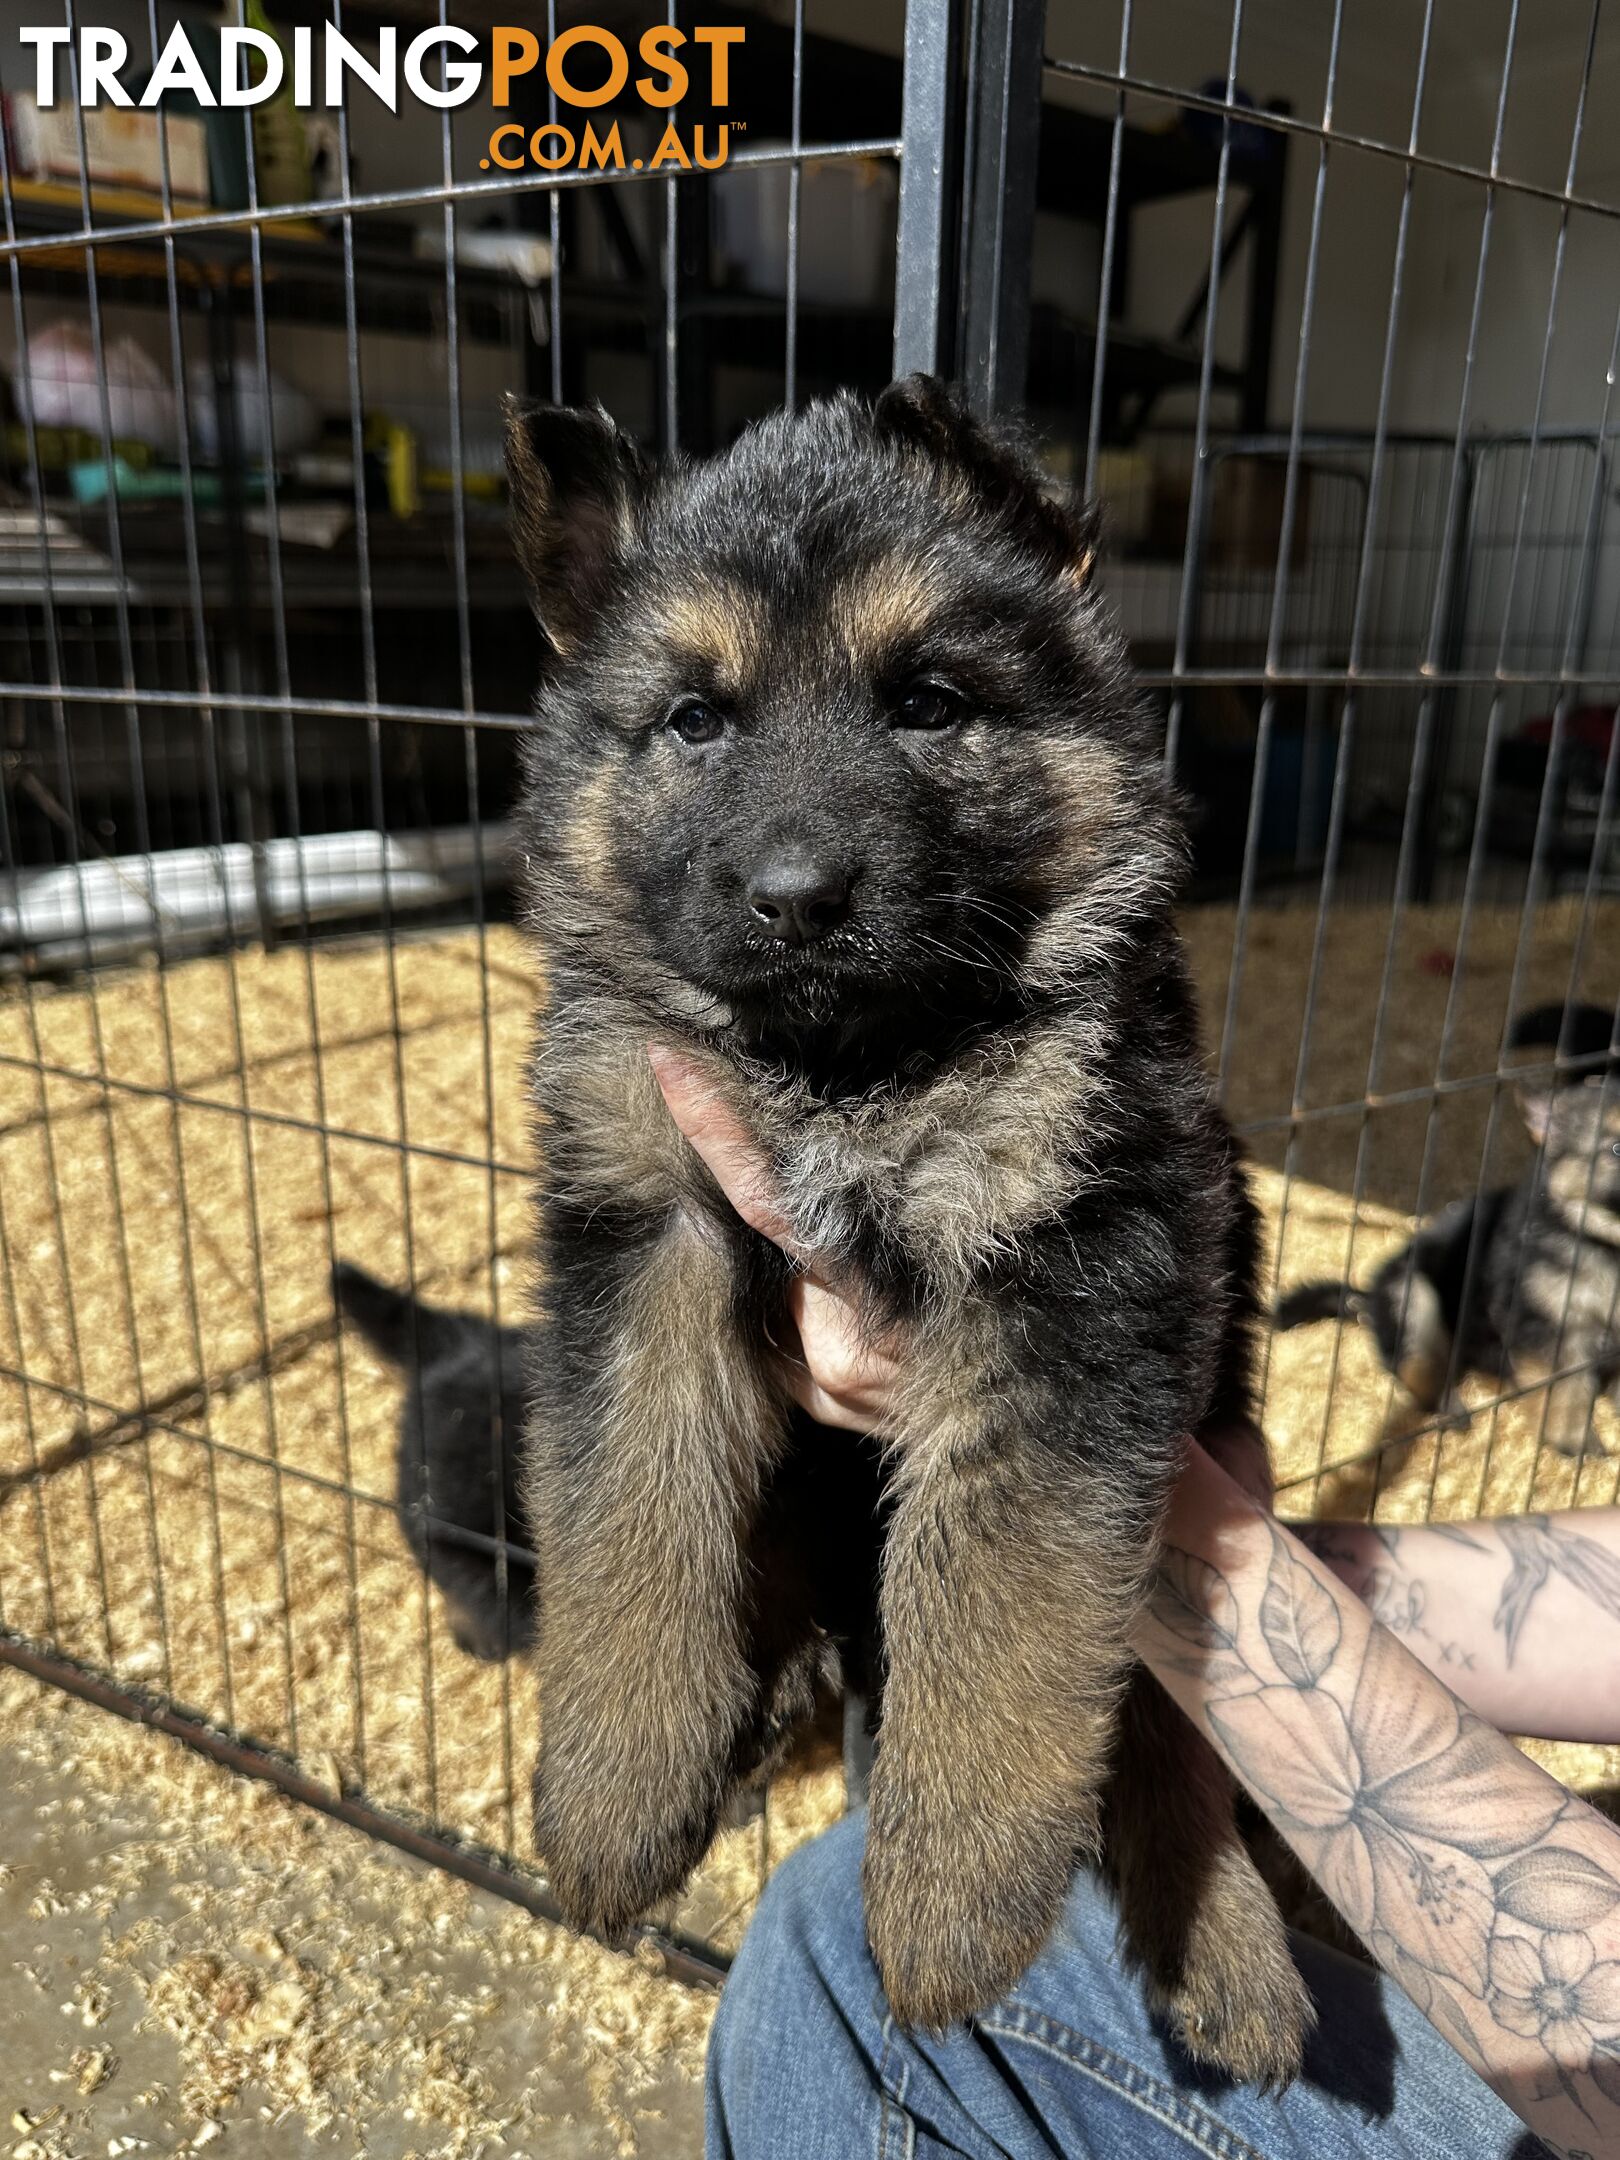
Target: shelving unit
<point>438,596</point>
<point>854,344</point>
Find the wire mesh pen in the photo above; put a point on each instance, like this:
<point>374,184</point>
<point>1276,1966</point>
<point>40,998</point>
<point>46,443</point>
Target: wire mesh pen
<point>1338,361</point>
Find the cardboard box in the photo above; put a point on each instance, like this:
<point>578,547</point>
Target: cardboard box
<point>1246,513</point>
<point>1244,510</point>
<point>124,149</point>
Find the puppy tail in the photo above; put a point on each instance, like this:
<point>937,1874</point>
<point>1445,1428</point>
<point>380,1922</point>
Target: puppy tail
<point>398,1325</point>
<point>1319,1301</point>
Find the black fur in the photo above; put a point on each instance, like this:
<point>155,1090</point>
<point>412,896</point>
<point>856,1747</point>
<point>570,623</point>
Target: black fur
<point>463,1412</point>
<point>1577,1031</point>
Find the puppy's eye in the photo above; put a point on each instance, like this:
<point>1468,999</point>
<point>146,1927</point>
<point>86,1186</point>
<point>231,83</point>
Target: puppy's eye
<point>695,722</point>
<point>930,705</point>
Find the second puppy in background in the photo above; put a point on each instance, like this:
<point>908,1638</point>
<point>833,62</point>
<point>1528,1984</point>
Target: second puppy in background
<point>1519,1283</point>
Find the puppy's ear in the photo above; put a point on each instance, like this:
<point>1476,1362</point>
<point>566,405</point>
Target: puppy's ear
<point>995,467</point>
<point>925,412</point>
<point>577,486</point>
<point>1537,1106</point>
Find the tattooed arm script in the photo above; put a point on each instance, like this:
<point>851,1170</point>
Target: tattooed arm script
<point>1484,1889</point>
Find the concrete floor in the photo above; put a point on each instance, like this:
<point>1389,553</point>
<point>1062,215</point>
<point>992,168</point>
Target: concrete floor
<point>194,1963</point>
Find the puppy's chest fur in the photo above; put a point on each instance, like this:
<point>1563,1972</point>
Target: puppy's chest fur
<point>938,1180</point>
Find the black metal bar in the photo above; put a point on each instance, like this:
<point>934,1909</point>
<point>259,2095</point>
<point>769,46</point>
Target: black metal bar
<point>999,213</point>
<point>1260,306</point>
<point>925,283</point>
<point>683,1957</point>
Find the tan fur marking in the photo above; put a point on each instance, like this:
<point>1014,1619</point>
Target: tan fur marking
<point>641,1574</point>
<point>882,607</point>
<point>1089,780</point>
<point>587,844</point>
<point>1423,1375</point>
<point>1577,1195</point>
<point>1011,1600</point>
<point>721,627</point>
<point>1104,862</point>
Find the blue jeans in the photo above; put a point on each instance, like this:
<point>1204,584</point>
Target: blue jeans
<point>807,2064</point>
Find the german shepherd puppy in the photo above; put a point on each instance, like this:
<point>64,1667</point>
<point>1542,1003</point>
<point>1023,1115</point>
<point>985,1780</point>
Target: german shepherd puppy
<point>839,781</point>
<point>1522,1282</point>
<point>463,1413</point>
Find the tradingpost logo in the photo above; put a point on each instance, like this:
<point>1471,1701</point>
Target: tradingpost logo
<point>584,68</point>
<point>554,145</point>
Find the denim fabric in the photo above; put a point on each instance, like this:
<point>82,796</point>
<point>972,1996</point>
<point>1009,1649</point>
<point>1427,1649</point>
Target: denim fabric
<point>807,2064</point>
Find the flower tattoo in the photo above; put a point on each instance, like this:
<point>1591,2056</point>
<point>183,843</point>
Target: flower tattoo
<point>1468,1883</point>
<point>1558,1994</point>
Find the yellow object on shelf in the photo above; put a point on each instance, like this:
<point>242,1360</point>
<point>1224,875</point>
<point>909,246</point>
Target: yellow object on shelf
<point>105,200</point>
<point>395,444</point>
<point>440,480</point>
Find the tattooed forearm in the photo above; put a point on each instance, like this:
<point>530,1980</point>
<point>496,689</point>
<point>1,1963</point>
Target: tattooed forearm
<point>1482,1887</point>
<point>1494,1606</point>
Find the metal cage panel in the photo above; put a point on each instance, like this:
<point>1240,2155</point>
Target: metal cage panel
<point>1338,359</point>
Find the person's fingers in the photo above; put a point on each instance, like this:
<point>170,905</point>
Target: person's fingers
<point>829,1332</point>
<point>824,1408</point>
<point>736,1164</point>
<point>845,1365</point>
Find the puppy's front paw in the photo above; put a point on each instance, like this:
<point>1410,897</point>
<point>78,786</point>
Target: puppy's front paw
<point>949,1934</point>
<point>609,1853</point>
<point>1238,2004</point>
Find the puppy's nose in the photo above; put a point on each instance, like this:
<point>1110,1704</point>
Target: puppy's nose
<point>798,896</point>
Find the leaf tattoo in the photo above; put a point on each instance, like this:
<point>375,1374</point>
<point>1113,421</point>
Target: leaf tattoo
<point>1194,1601</point>
<point>1298,1619</point>
<point>1552,1887</point>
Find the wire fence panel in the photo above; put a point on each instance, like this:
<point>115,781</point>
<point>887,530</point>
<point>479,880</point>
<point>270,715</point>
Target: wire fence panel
<point>1328,325</point>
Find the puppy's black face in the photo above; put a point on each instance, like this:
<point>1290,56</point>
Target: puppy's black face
<point>833,730</point>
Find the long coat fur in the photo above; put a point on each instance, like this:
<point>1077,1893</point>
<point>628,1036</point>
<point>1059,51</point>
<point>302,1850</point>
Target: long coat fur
<point>866,638</point>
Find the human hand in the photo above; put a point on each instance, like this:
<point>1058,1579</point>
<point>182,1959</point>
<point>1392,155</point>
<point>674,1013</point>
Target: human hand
<point>836,1369</point>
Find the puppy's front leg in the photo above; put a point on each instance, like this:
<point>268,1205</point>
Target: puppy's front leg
<point>651,1433</point>
<point>1012,1571</point>
<point>1195,1912</point>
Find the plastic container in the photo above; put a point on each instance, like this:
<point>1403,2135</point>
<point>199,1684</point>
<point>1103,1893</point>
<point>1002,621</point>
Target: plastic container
<point>847,213</point>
